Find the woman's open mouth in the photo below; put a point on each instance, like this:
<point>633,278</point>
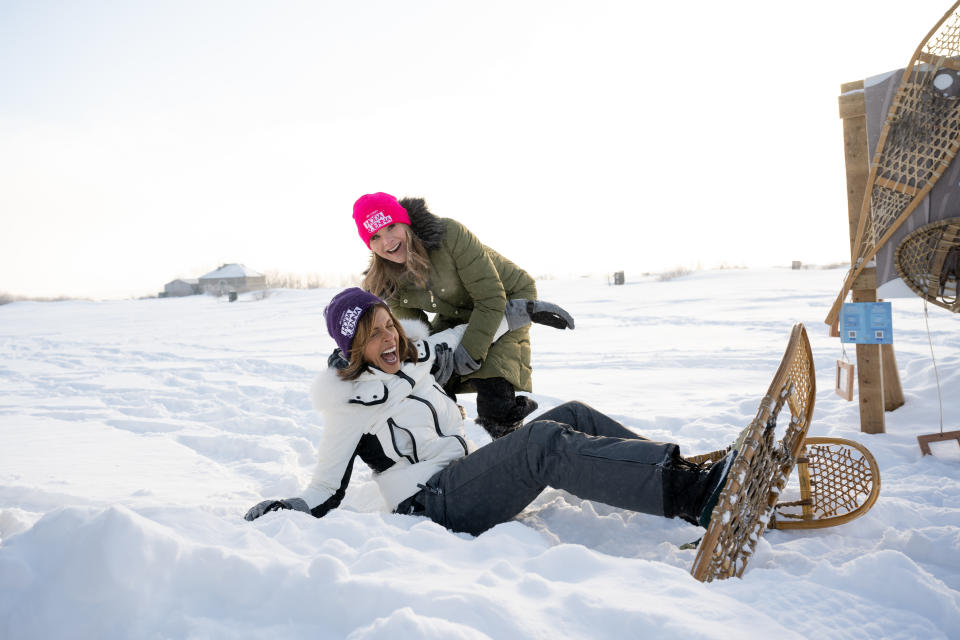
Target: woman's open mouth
<point>395,249</point>
<point>389,356</point>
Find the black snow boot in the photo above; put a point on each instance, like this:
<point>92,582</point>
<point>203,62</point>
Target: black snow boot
<point>716,479</point>
<point>690,491</point>
<point>497,428</point>
<point>499,410</point>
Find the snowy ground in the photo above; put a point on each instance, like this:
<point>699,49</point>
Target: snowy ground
<point>135,434</point>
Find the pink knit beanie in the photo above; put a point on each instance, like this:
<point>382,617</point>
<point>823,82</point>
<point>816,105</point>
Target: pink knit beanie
<point>375,211</point>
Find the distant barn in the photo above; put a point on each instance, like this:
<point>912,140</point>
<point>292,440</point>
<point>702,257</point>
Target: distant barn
<point>181,287</point>
<point>231,278</point>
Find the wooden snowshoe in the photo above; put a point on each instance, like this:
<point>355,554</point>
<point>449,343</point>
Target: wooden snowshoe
<point>761,468</point>
<point>839,481</point>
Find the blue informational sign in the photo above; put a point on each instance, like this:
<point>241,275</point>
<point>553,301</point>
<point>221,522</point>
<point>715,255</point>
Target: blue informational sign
<point>866,323</point>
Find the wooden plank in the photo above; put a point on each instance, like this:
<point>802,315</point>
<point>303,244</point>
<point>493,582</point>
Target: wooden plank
<point>857,161</point>
<point>870,385</point>
<point>851,105</point>
<point>892,389</point>
<point>853,85</point>
<point>867,280</point>
<point>870,368</point>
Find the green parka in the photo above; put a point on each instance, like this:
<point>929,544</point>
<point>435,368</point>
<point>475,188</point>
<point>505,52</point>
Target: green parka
<point>469,282</point>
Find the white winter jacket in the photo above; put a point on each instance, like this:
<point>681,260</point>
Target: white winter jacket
<point>403,425</point>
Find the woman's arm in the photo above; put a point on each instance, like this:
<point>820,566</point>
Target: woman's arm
<point>443,349</point>
<point>479,276</point>
<point>454,335</point>
<point>340,444</point>
<point>321,495</point>
<point>339,447</point>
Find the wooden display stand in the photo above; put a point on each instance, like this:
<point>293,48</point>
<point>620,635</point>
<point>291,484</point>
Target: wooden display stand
<point>878,381</point>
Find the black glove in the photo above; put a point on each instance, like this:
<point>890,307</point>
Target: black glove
<point>520,313</point>
<point>257,510</point>
<point>443,364</point>
<point>336,360</point>
<point>463,363</point>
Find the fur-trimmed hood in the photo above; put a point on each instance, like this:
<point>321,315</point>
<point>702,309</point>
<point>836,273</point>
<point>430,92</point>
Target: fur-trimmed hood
<point>329,391</point>
<point>416,330</point>
<point>428,227</point>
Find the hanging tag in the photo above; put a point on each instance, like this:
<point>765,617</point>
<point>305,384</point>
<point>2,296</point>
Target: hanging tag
<point>844,385</point>
<point>866,323</point>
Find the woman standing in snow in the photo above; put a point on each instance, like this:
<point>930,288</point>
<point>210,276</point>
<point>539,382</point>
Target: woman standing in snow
<point>385,406</point>
<point>422,264</point>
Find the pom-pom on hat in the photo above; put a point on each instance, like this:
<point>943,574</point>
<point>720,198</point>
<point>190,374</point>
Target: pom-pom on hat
<point>342,314</point>
<point>375,211</point>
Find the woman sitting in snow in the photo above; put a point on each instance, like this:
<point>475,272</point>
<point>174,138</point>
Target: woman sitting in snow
<point>382,403</point>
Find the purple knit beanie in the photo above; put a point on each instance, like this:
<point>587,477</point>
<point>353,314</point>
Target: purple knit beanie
<point>343,313</point>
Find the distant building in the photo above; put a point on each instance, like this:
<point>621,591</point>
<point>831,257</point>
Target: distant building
<point>232,278</point>
<point>181,287</point>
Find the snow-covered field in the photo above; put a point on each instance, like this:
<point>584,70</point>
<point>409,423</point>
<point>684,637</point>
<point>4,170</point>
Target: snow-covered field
<point>135,434</point>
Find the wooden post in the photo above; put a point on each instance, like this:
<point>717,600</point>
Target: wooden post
<point>853,112</point>
<point>869,362</point>
<point>878,380</point>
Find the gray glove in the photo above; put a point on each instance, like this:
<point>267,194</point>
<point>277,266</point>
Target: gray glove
<point>463,363</point>
<point>520,313</point>
<point>297,504</point>
<point>443,364</point>
<point>336,360</point>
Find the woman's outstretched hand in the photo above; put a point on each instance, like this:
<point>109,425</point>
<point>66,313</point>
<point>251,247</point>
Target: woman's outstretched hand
<point>520,313</point>
<point>449,361</point>
<point>443,364</point>
<point>257,510</point>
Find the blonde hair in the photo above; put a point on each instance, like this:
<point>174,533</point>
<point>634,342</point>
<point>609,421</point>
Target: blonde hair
<point>406,350</point>
<point>384,278</point>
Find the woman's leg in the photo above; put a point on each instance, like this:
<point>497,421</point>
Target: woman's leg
<point>499,409</point>
<point>585,418</point>
<point>499,480</point>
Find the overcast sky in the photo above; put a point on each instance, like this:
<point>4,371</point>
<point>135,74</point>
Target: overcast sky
<point>145,141</point>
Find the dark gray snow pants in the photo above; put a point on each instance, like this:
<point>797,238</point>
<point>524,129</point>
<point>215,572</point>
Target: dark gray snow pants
<point>571,447</point>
